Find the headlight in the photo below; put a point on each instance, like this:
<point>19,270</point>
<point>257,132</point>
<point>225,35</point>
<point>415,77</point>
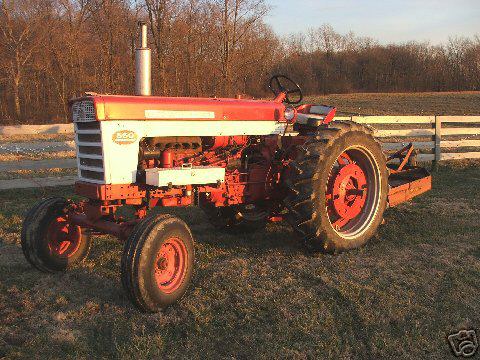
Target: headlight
<point>290,113</point>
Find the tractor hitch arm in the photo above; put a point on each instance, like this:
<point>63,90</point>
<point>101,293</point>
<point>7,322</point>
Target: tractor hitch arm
<point>406,180</point>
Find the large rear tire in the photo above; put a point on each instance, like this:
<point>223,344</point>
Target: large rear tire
<point>49,242</point>
<point>157,262</point>
<point>338,186</point>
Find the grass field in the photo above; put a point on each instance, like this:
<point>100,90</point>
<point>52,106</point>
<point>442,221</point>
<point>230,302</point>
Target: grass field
<point>30,174</point>
<point>261,296</point>
<point>5,139</point>
<point>446,103</point>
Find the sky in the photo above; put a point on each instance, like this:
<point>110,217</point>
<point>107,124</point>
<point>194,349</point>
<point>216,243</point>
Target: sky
<point>384,20</point>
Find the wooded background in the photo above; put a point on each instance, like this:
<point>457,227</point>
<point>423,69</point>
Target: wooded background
<point>53,50</point>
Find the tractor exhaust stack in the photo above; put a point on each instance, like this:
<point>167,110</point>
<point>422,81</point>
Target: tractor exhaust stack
<point>143,65</point>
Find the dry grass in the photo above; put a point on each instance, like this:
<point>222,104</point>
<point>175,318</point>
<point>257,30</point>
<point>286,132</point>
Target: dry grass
<point>261,296</point>
<point>38,156</point>
<point>38,137</point>
<point>447,103</point>
<point>29,174</point>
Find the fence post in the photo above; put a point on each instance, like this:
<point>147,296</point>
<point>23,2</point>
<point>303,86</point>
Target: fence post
<point>438,142</point>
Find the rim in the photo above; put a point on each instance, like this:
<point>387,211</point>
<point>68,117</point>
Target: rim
<point>63,238</point>
<point>171,265</point>
<point>353,192</point>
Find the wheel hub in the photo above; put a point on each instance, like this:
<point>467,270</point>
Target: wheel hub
<point>162,264</point>
<point>170,265</point>
<point>349,190</point>
<point>64,239</point>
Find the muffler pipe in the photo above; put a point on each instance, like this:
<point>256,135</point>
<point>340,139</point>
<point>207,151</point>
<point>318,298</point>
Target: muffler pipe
<point>143,64</point>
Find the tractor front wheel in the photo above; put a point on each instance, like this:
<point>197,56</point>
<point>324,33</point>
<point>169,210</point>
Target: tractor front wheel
<point>157,262</point>
<point>49,241</point>
<point>338,188</point>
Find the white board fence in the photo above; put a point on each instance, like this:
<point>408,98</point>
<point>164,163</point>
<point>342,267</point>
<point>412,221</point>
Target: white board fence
<point>439,138</point>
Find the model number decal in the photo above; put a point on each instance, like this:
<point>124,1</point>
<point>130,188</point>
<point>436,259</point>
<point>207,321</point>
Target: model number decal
<point>124,137</point>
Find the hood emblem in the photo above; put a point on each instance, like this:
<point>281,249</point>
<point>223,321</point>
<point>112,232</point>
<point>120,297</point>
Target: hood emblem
<point>124,137</point>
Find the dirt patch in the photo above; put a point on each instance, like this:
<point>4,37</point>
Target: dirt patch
<point>446,103</point>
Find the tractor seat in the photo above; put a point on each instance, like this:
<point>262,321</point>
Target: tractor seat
<point>310,119</point>
<point>315,115</point>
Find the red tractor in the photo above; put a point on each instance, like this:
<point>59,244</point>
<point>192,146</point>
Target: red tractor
<point>244,162</point>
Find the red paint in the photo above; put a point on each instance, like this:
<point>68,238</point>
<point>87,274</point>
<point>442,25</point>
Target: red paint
<point>110,192</point>
<point>330,116</point>
<point>280,98</point>
<point>120,107</point>
<point>225,141</point>
<point>64,238</point>
<point>409,190</point>
<point>120,230</point>
<point>403,155</point>
<point>171,265</point>
<point>258,182</point>
<point>346,192</point>
<point>167,159</point>
<point>175,201</point>
<point>349,191</point>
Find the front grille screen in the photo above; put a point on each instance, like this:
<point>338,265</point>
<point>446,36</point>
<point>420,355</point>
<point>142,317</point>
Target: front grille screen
<point>83,111</point>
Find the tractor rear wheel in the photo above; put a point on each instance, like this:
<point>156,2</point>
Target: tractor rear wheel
<point>49,241</point>
<point>245,219</point>
<point>338,185</point>
<point>157,262</point>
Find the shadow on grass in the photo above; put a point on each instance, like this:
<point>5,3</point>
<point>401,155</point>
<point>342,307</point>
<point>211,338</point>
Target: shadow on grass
<point>350,327</point>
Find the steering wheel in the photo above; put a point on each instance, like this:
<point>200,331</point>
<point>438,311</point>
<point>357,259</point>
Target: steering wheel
<point>281,84</point>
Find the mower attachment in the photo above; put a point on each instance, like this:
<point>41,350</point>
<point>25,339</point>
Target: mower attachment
<point>406,180</point>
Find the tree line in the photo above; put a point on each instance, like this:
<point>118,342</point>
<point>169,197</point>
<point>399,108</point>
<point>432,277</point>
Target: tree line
<point>53,50</point>
<point>324,62</point>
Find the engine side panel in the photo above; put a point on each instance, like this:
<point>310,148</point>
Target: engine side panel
<point>120,140</point>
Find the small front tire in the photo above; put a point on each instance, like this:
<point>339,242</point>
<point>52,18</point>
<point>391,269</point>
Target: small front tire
<point>49,241</point>
<point>157,262</point>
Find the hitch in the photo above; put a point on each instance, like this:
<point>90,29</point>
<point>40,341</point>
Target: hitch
<point>406,180</point>
<point>406,155</point>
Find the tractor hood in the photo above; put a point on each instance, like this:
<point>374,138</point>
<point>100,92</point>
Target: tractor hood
<point>117,107</point>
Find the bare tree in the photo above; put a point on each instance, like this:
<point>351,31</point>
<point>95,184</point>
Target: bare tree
<point>236,20</point>
<point>52,50</point>
<point>161,14</point>
<point>24,27</point>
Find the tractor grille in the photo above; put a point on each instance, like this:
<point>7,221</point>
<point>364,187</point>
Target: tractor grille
<point>88,139</point>
<point>83,111</point>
